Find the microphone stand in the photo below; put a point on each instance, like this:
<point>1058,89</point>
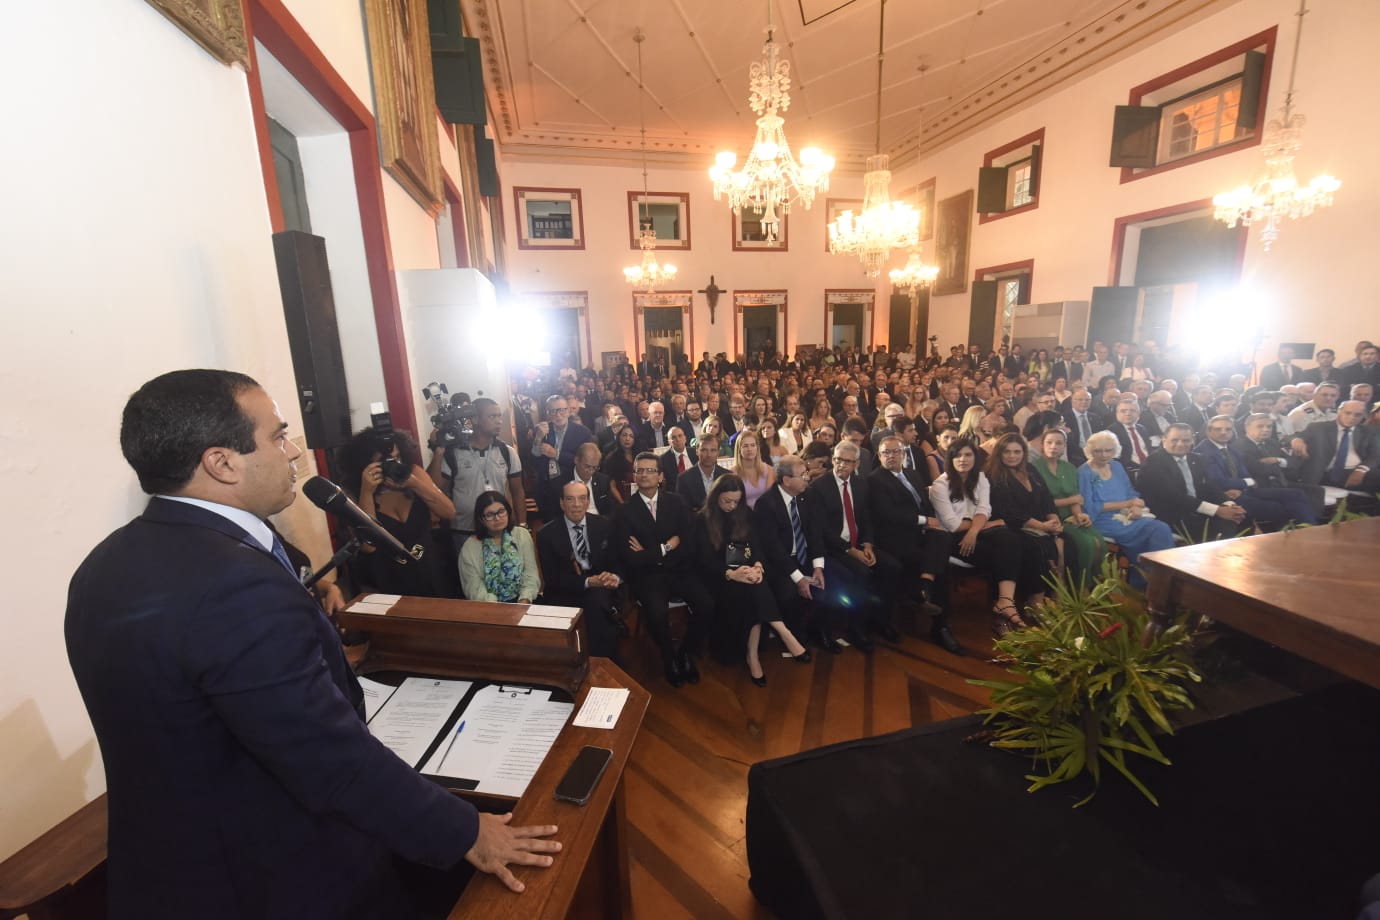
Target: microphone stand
<point>346,552</point>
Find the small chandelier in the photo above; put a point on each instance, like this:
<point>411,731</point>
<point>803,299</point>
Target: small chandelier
<point>650,273</point>
<point>916,276</point>
<point>771,180</point>
<point>1278,195</point>
<point>884,224</point>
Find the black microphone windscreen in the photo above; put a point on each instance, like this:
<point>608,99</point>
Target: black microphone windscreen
<point>320,490</point>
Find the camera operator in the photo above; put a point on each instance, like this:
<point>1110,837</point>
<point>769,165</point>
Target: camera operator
<point>465,468</point>
<point>383,473</point>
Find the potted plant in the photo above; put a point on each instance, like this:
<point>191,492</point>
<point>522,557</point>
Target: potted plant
<point>1085,692</point>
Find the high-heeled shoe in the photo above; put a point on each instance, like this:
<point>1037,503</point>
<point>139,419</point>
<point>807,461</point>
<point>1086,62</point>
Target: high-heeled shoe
<point>759,681</point>
<point>804,657</point>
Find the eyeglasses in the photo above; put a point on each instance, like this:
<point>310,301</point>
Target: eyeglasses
<point>845,460</point>
<point>647,471</point>
<point>892,453</point>
<point>495,515</point>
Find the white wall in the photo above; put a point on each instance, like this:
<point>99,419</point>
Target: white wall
<point>137,241</point>
<point>1304,287</point>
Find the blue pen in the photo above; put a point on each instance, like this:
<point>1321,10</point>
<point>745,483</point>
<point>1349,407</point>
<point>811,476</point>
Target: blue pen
<point>458,729</point>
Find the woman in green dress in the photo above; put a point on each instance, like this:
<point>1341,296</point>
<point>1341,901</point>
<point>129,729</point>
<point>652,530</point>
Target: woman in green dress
<point>1084,547</point>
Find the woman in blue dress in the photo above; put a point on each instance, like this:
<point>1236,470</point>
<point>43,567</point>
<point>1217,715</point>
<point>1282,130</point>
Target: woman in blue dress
<point>1117,510</point>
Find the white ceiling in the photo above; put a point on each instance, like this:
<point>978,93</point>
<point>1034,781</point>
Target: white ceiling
<point>561,75</point>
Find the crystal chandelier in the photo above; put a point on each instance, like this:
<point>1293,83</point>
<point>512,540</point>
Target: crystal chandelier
<point>1278,195</point>
<point>916,276</point>
<point>884,224</point>
<point>771,180</point>
<point>650,273</point>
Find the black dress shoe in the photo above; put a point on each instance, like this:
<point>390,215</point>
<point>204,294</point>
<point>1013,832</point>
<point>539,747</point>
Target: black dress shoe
<point>803,658</point>
<point>674,677</point>
<point>687,667</point>
<point>928,606</point>
<point>944,638</point>
<point>759,681</point>
<point>886,631</point>
<point>859,641</point>
<point>823,640</point>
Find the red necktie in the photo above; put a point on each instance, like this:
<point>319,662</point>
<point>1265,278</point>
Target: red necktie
<point>680,467</point>
<point>1135,442</point>
<point>848,516</point>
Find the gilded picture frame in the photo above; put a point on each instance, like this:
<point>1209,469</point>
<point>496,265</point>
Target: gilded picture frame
<point>404,98</point>
<point>953,231</point>
<point>216,25</point>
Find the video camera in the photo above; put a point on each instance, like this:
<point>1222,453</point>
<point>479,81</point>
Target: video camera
<point>453,415</point>
<point>394,469</point>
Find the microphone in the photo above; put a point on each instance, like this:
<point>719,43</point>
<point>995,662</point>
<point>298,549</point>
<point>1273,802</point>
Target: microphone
<point>328,496</point>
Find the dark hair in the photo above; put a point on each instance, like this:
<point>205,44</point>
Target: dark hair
<point>1036,425</point>
<point>997,470</point>
<point>359,452</point>
<point>817,451</point>
<point>484,500</point>
<point>173,419</point>
<point>721,526</point>
<point>961,486</point>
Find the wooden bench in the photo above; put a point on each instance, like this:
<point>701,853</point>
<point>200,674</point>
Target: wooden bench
<point>44,879</point>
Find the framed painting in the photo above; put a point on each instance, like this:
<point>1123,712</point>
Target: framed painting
<point>668,213</point>
<point>216,25</point>
<point>833,207</point>
<point>404,97</point>
<point>953,232</point>
<point>549,218</point>
<point>750,235</point>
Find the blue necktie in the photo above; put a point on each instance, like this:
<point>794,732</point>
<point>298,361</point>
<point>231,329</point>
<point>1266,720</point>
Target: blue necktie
<point>1338,472</point>
<point>911,489</point>
<point>798,532</point>
<point>281,555</point>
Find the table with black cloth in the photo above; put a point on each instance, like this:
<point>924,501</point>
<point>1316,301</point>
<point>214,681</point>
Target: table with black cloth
<point>1268,813</point>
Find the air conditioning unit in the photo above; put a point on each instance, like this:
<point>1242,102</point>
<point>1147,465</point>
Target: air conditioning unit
<point>1045,325</point>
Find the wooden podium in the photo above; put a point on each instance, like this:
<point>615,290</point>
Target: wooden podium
<point>56,877</point>
<point>470,639</point>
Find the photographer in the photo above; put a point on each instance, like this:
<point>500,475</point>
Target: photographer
<point>383,473</point>
<point>476,462</point>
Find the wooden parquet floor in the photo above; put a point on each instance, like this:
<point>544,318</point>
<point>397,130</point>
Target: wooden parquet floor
<point>687,781</point>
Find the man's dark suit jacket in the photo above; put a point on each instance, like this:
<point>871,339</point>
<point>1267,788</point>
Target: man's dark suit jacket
<point>1162,486</point>
<point>1315,375</point>
<point>243,781</point>
<point>1059,369</point>
<point>773,522</point>
<point>634,520</point>
<point>646,436</point>
<point>669,473</point>
<point>895,518</point>
<point>828,519</point>
<point>1096,422</point>
<point>1321,439</point>
<point>690,487</point>
<point>603,494</point>
<point>575,435</point>
<point>563,580</point>
<point>1128,453</point>
<point>1267,474</point>
<point>1273,376</point>
<point>1197,418</point>
<point>1357,374</point>
<point>1219,474</point>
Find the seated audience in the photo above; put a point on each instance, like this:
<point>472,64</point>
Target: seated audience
<point>603,498</point>
<point>729,556</point>
<point>961,498</point>
<point>678,457</point>
<point>694,485</point>
<point>1176,487</point>
<point>580,563</point>
<point>498,563</point>
<point>794,567</point>
<point>1020,498</point>
<point>618,462</point>
<point>1117,510</point>
<point>1268,506</point>
<point>1084,547</point>
<point>750,465</point>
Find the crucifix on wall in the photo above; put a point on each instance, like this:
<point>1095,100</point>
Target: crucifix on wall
<point>711,293</point>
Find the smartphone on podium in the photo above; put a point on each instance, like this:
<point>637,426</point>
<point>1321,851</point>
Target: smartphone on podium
<point>579,781</point>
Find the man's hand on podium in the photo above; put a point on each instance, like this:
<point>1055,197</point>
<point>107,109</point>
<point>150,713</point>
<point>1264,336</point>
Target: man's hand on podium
<point>498,845</point>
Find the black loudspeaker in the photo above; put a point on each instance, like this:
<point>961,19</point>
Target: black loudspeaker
<point>456,67</point>
<point>309,308</point>
<point>487,162</point>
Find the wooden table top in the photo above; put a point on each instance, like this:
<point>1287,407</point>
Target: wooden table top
<point>1314,591</point>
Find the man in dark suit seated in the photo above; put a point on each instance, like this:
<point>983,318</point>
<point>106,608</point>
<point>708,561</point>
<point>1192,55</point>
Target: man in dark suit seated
<point>1200,411</point>
<point>901,518</point>
<point>794,566</point>
<point>243,780</point>
<point>1136,440</point>
<point>1269,465</point>
<point>579,567</point>
<point>1343,453</point>
<point>653,525</point>
<point>1175,486</point>
<point>694,486</point>
<point>655,432</point>
<point>679,459</point>
<point>553,448</point>
<point>1083,423</point>
<point>860,580</point>
<point>1365,370</point>
<point>1268,506</point>
<point>1325,372</point>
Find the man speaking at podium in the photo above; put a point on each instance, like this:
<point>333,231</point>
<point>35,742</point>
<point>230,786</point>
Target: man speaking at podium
<point>242,779</point>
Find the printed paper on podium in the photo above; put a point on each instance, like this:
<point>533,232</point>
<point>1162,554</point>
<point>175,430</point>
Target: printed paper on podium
<point>501,738</point>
